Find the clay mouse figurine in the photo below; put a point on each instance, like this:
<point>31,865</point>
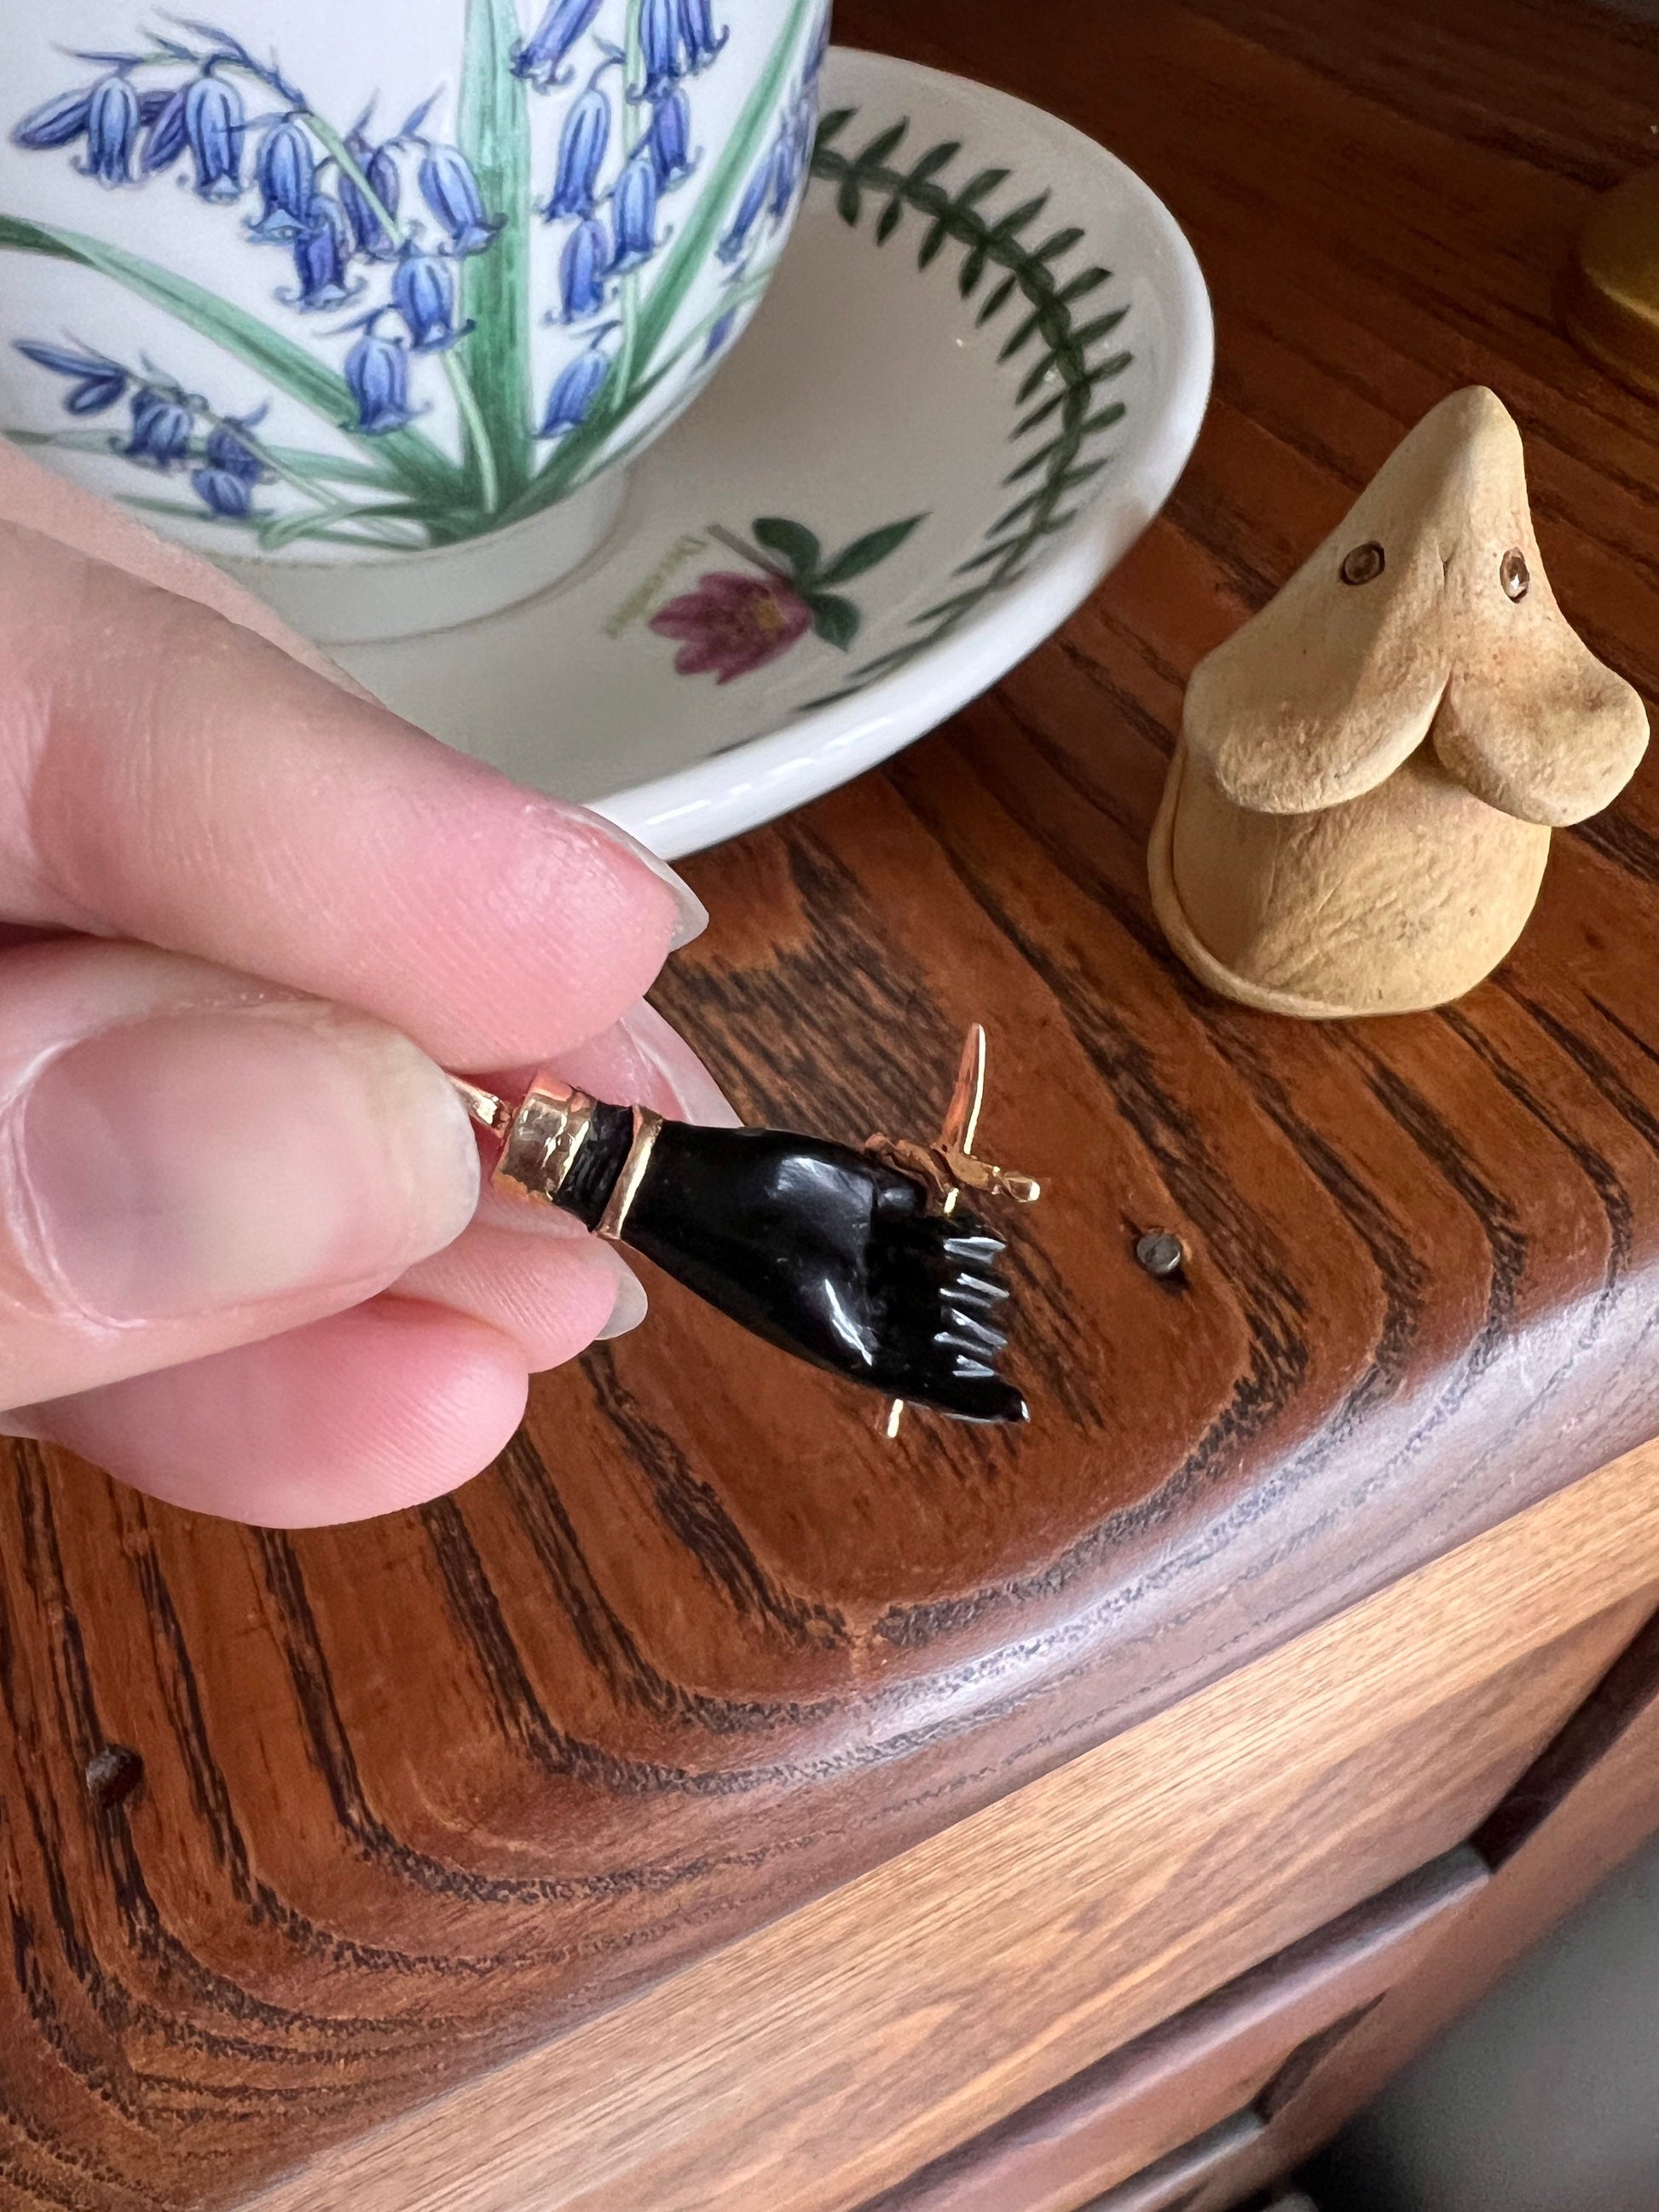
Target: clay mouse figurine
<point>1358,816</point>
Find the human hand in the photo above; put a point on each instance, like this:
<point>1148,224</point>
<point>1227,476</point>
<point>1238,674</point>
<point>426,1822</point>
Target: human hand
<point>247,916</point>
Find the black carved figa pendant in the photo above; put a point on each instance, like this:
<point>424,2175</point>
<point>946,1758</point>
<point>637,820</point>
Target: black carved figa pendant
<point>863,1261</point>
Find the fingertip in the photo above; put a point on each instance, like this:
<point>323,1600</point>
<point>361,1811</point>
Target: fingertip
<point>368,1412</point>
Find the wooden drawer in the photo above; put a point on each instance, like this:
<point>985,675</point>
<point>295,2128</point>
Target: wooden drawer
<point>1197,2076</point>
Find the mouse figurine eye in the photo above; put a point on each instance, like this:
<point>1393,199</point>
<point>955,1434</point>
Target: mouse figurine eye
<point>1363,562</point>
<point>1514,574</point>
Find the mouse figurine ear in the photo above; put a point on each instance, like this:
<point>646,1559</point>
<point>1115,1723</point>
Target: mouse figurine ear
<point>1357,819</point>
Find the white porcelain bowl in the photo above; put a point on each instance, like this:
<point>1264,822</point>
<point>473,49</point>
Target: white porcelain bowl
<point>372,302</point>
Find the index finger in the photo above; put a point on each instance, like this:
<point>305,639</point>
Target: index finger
<point>167,774</point>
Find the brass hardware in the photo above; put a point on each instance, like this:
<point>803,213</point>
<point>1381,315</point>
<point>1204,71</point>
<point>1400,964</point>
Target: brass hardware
<point>1609,293</point>
<point>540,1137</point>
<point>647,1128</point>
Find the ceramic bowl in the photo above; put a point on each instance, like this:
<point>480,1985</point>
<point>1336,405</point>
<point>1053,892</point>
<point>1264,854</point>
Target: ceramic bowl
<point>373,302</point>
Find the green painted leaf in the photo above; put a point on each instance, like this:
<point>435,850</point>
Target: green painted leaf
<point>494,136</point>
<point>418,461</point>
<point>1098,328</point>
<point>884,144</point>
<point>330,468</point>
<point>999,300</point>
<point>932,162</point>
<point>831,126</point>
<point>1017,218</point>
<point>891,216</point>
<point>865,553</point>
<point>793,542</point>
<point>835,619</point>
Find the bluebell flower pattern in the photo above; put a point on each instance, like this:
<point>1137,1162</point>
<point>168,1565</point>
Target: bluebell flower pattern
<point>382,221</point>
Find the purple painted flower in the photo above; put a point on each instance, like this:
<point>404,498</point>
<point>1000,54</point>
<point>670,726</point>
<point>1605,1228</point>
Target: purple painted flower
<point>57,122</point>
<point>161,432</point>
<point>321,253</point>
<point>719,337</point>
<point>703,43</point>
<point>541,58</point>
<point>215,122</point>
<point>451,191</point>
<point>380,171</point>
<point>286,174</point>
<point>732,247</point>
<point>733,624</point>
<point>583,267</point>
<point>114,119</point>
<point>224,492</point>
<point>377,371</point>
<point>635,214</point>
<point>423,294</point>
<point>670,139</point>
<point>659,41</point>
<point>98,383</point>
<point>571,400</point>
<point>582,144</point>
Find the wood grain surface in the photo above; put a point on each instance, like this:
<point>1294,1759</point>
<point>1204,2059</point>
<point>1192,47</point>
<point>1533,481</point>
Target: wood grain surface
<point>407,1799</point>
<point>822,2058</point>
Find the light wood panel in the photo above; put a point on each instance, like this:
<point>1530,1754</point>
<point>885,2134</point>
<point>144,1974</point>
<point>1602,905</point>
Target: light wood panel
<point>824,2059</point>
<point>1197,2069</point>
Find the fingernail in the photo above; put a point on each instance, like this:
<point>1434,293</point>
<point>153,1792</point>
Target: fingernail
<point>693,1093</point>
<point>693,914</point>
<point>202,1162</point>
<point>18,1424</point>
<point>631,1307</point>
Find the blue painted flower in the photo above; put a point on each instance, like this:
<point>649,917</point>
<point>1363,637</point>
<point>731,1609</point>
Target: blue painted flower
<point>377,371</point>
<point>423,294</point>
<point>659,41</point>
<point>380,171</point>
<point>670,139</point>
<point>733,246</point>
<point>451,191</point>
<point>161,432</point>
<point>582,268</point>
<point>322,253</point>
<point>542,57</point>
<point>636,212</point>
<point>57,122</point>
<point>164,136</point>
<point>114,119</point>
<point>286,174</point>
<point>228,453</point>
<point>214,122</point>
<point>817,52</point>
<point>98,383</point>
<point>577,386</point>
<point>224,492</point>
<point>703,42</point>
<point>719,338</point>
<point>582,144</point>
<point>784,172</point>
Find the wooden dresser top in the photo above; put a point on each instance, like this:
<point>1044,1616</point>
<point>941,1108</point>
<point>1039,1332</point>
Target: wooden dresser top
<point>418,1794</point>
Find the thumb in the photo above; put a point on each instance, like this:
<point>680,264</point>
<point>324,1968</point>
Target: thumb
<point>189,1161</point>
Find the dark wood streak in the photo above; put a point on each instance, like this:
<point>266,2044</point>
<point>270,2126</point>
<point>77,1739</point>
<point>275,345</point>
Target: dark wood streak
<point>420,1795</point>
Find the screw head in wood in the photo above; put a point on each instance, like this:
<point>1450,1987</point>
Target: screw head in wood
<point>1161,1253</point>
<point>1514,574</point>
<point>1363,562</point>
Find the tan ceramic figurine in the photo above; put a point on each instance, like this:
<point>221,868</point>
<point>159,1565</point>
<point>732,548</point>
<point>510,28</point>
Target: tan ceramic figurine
<point>1359,813</point>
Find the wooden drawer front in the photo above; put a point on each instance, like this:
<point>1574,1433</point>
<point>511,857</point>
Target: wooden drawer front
<point>1195,2075</point>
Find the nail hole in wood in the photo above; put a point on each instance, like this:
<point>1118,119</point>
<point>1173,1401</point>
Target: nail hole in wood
<point>113,1775</point>
<point>1363,562</point>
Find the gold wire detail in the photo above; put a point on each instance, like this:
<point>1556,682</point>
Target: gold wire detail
<point>948,1166</point>
<point>647,1128</point>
